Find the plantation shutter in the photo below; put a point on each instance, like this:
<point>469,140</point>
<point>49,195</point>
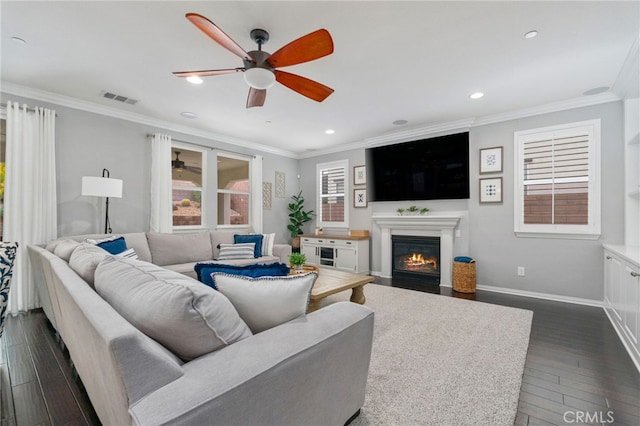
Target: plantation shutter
<point>556,180</point>
<point>332,194</point>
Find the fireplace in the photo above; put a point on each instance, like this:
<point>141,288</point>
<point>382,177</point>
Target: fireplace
<point>416,257</point>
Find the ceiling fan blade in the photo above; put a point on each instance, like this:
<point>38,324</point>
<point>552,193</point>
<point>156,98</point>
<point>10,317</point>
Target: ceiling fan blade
<point>307,48</point>
<point>256,97</point>
<point>309,88</point>
<point>205,73</point>
<point>212,30</point>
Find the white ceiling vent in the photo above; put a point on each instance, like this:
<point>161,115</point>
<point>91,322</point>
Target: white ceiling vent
<point>119,98</point>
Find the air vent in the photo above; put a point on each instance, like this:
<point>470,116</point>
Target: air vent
<point>119,98</point>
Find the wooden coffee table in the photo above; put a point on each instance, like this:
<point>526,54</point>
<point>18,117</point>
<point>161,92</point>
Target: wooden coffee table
<point>332,281</point>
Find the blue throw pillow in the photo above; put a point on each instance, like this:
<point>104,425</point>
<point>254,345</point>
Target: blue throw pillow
<point>115,246</point>
<point>205,269</point>
<point>253,238</point>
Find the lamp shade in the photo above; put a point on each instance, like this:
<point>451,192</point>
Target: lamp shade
<point>101,186</point>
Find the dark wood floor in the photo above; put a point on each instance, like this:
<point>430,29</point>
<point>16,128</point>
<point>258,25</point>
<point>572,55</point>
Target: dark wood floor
<point>577,371</point>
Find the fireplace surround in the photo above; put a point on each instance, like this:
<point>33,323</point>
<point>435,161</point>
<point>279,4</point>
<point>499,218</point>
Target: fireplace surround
<point>431,224</point>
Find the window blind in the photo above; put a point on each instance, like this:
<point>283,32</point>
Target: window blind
<point>556,179</point>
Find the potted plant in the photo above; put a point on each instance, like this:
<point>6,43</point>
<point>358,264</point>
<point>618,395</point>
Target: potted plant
<point>297,218</point>
<point>297,260</point>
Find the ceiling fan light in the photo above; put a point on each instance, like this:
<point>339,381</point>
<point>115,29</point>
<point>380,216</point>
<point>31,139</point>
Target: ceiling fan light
<point>259,78</point>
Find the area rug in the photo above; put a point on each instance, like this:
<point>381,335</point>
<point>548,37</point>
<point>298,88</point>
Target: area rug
<point>438,360</point>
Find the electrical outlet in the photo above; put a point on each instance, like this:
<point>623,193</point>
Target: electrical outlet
<point>457,233</point>
<point>521,271</point>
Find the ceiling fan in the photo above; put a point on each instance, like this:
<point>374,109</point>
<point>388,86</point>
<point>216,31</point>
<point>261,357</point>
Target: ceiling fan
<point>179,165</point>
<point>260,68</point>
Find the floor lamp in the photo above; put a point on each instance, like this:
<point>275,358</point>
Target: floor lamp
<point>102,187</point>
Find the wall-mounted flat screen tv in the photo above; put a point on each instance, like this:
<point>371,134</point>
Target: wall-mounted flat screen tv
<point>427,169</point>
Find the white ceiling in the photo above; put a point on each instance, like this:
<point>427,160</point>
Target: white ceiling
<point>416,61</point>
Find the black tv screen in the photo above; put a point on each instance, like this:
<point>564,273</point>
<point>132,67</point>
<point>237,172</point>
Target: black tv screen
<point>427,169</point>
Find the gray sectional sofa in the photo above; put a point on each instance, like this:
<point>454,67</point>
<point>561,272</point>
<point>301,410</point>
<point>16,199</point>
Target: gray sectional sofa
<point>311,370</point>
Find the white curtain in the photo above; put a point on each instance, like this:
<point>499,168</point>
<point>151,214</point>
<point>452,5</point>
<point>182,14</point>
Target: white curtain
<point>30,207</point>
<point>161,218</point>
<point>256,194</point>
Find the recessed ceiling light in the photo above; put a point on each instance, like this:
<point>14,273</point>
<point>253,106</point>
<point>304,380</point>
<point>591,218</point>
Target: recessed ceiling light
<point>476,95</point>
<point>531,34</point>
<point>194,79</point>
<point>330,131</point>
<point>18,40</point>
<point>187,114</point>
<point>400,122</point>
<point>596,91</point>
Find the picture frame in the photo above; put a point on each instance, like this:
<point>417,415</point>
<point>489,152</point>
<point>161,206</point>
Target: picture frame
<point>359,175</point>
<point>491,160</point>
<point>491,190</point>
<point>360,198</point>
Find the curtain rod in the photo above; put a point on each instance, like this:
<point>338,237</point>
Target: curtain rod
<point>150,135</point>
<point>29,109</point>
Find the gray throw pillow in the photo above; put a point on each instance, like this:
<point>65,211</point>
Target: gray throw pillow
<point>188,318</point>
<point>65,248</point>
<point>85,259</point>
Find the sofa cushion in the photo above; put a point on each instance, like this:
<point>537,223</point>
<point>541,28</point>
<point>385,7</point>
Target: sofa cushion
<point>205,269</point>
<point>252,238</point>
<point>180,313</point>
<point>65,248</point>
<point>170,249</point>
<point>266,302</point>
<point>85,259</point>
<point>236,251</point>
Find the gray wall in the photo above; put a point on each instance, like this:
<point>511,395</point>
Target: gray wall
<point>557,266</point>
<point>571,268</point>
<point>87,142</point>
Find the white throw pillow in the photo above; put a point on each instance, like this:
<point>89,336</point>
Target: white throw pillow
<point>267,244</point>
<point>236,251</point>
<point>185,316</point>
<point>266,302</point>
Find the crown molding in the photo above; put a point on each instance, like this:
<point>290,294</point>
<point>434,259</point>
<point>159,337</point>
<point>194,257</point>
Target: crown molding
<point>421,132</point>
<point>69,102</point>
<point>627,84</point>
<point>626,75</point>
<point>467,123</point>
<point>583,101</point>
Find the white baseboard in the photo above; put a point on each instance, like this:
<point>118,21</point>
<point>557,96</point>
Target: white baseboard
<point>545,296</point>
<point>524,293</point>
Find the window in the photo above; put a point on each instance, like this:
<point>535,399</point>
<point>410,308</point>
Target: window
<point>557,185</point>
<point>333,194</point>
<point>3,149</point>
<point>234,190</point>
<point>187,190</point>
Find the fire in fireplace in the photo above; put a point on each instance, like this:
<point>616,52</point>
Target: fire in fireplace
<point>416,257</point>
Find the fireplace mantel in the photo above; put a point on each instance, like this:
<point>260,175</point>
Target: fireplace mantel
<point>427,225</point>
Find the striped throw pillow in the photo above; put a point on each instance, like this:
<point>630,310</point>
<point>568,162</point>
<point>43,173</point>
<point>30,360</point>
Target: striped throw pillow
<point>236,251</point>
<point>128,253</point>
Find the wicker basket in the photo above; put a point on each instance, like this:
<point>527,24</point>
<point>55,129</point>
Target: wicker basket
<point>464,277</point>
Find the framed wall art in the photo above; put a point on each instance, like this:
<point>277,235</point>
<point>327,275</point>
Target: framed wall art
<point>359,198</point>
<point>360,175</point>
<point>491,160</point>
<point>491,190</point>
